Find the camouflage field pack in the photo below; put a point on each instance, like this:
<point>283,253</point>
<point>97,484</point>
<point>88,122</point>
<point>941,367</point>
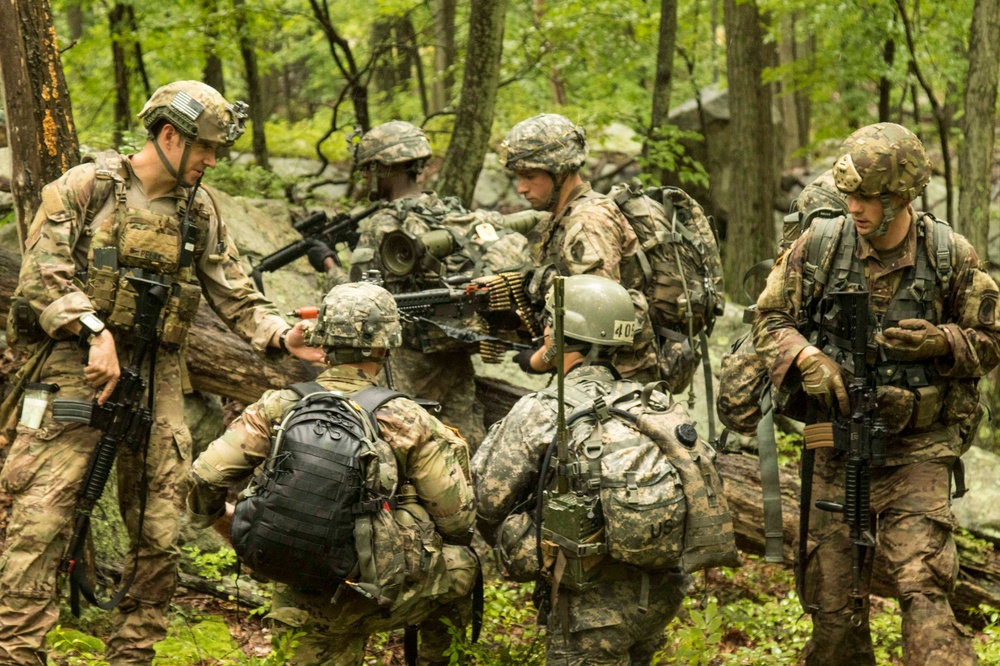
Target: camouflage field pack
<point>660,498</point>
<point>678,258</point>
<point>319,511</point>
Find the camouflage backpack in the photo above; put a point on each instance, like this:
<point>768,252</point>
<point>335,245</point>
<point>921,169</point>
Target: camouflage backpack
<point>678,258</point>
<point>319,511</point>
<point>654,500</point>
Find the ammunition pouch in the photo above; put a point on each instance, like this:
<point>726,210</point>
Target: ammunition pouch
<point>182,306</point>
<point>149,241</point>
<point>22,323</point>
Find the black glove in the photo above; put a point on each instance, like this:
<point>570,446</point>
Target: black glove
<point>523,360</point>
<point>318,252</point>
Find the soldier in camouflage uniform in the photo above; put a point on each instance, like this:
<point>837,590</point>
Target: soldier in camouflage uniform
<point>137,222</point>
<point>938,338</point>
<point>606,624</point>
<point>359,325</point>
<point>587,233</point>
<point>431,366</point>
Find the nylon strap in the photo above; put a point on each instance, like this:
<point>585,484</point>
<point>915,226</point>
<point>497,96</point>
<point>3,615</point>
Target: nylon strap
<point>805,504</point>
<point>767,450</point>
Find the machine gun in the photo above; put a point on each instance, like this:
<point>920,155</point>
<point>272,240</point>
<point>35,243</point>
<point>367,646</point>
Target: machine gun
<point>498,300</point>
<point>123,421</point>
<point>342,228</point>
<point>861,435</point>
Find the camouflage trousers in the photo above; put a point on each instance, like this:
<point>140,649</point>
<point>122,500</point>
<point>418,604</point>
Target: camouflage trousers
<point>336,630</point>
<point>44,473</point>
<point>914,524</point>
<point>447,377</point>
<point>605,625</point>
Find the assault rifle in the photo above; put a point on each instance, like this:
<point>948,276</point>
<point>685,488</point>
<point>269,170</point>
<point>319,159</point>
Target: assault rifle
<point>122,420</point>
<point>342,228</point>
<point>861,435</point>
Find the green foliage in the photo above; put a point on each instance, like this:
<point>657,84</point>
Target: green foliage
<point>75,648</point>
<point>509,635</point>
<point>246,180</point>
<point>283,648</point>
<point>698,640</point>
<point>667,153</point>
<point>789,448</point>
<point>192,639</point>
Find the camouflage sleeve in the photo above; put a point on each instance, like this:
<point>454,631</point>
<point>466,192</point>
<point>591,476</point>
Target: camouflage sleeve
<point>506,465</point>
<point>233,456</point>
<point>435,460</point>
<point>776,338</point>
<point>973,330</point>
<point>230,292</point>
<point>597,238</point>
<point>370,231</point>
<point>50,256</point>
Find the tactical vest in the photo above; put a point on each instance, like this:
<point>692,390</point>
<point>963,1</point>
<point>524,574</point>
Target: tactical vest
<point>133,241</point>
<point>922,294</point>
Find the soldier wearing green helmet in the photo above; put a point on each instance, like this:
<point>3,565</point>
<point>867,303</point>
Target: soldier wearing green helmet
<point>587,233</point>
<point>99,224</point>
<point>936,336</point>
<point>357,329</point>
<point>619,617</point>
<point>391,157</point>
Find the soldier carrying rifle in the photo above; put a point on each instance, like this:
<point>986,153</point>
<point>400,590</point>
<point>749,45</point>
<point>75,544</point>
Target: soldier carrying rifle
<point>896,372</point>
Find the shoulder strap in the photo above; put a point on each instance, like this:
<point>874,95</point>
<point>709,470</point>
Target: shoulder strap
<point>107,178</point>
<point>940,247</point>
<point>373,397</point>
<point>307,388</point>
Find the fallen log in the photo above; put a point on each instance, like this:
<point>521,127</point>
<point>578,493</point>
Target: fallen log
<point>979,576</point>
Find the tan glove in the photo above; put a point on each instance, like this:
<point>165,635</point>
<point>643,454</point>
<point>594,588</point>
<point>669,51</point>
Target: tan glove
<point>915,340</point>
<point>822,380</point>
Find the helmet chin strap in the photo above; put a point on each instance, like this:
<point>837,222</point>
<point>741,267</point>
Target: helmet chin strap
<point>558,180</point>
<point>889,213</point>
<point>182,167</point>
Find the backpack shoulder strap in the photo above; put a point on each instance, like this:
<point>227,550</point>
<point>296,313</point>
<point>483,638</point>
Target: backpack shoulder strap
<point>940,248</point>
<point>307,388</point>
<point>373,397</point>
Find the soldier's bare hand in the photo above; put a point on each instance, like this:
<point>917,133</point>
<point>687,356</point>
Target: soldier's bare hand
<point>295,341</point>
<point>102,367</point>
<point>224,525</point>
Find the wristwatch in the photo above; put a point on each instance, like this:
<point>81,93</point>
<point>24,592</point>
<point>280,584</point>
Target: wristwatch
<point>281,340</point>
<point>90,326</point>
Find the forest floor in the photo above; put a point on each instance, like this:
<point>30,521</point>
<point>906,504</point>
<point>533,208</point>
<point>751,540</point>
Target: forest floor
<point>748,616</point>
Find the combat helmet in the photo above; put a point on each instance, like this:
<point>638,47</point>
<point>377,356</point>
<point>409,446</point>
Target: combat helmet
<point>548,141</point>
<point>198,111</point>
<point>355,318</point>
<point>598,314</point>
<point>392,143</point>
<point>881,160</point>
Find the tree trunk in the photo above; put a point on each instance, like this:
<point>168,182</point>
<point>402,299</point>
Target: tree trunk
<point>140,63</point>
<point>884,84</point>
<point>39,117</point>
<point>444,51</point>
<point>751,226</point>
<point>118,21</point>
<point>74,17</point>
<point>787,55</point>
<point>474,119</point>
<point>257,112</point>
<point>384,75</point>
<point>343,58</point>
<point>975,156</point>
<point>664,76</point>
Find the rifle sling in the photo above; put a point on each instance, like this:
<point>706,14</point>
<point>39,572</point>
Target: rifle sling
<point>767,449</point>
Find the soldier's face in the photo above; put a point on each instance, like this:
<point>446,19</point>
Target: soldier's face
<point>201,155</point>
<point>866,211</point>
<point>536,186</point>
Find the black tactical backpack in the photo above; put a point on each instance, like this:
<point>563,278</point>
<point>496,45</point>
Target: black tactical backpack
<point>327,478</point>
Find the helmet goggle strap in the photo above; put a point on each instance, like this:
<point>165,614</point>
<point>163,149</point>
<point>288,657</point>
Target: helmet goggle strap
<point>342,355</point>
<point>558,180</point>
